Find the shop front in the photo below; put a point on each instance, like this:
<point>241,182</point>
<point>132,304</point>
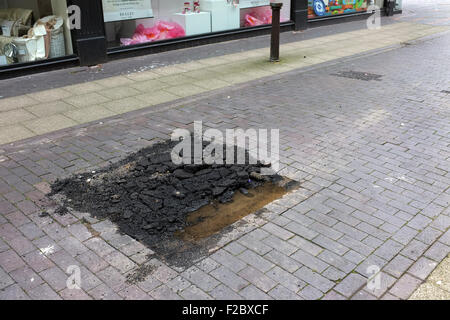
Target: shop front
<point>33,32</point>
<point>37,33</point>
<point>136,22</point>
<point>323,9</point>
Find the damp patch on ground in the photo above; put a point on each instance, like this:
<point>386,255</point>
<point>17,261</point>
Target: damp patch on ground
<point>357,75</point>
<point>179,211</point>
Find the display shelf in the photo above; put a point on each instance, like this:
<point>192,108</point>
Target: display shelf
<point>194,23</point>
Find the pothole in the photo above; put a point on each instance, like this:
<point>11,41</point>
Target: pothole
<point>215,216</point>
<point>179,211</point>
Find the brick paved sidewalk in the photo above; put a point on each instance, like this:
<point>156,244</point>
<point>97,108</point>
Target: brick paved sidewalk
<point>46,111</point>
<point>372,158</point>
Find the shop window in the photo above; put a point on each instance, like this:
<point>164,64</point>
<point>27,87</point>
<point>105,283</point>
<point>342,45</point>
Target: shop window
<point>129,22</point>
<point>323,8</point>
<point>33,30</point>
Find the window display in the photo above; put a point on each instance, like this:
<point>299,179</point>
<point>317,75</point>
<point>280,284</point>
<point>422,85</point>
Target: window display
<point>32,30</point>
<point>179,18</point>
<point>322,8</point>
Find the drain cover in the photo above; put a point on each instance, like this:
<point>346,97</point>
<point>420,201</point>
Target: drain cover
<point>358,75</point>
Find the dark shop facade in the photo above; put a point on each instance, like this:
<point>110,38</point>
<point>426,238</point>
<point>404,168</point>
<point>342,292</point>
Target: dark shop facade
<point>50,33</point>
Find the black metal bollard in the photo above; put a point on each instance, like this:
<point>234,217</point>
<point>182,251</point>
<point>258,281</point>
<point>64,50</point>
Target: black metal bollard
<point>275,39</point>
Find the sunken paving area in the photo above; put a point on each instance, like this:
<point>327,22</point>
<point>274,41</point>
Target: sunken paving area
<point>366,139</point>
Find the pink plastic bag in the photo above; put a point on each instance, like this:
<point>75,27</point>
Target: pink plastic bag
<point>257,18</point>
<point>160,31</point>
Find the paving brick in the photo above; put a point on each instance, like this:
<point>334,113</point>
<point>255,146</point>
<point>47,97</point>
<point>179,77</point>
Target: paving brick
<point>120,261</point>
<point>414,249</point>
<point>177,284</point>
<point>438,251</point>
<point>283,261</point>
<point>150,283</point>
<point>22,245</point>
<point>329,244</point>
<point>254,244</point>
<point>278,231</point>
<point>14,292</point>
<point>26,278</point>
<point>99,246</point>
<point>38,261</point>
<point>10,261</point>
<point>350,231</point>
<point>200,279</point>
<point>255,260</point>
<point>300,230</point>
<point>363,295</point>
<point>337,261</point>
<point>228,260</point>
<point>322,218</point>
<point>445,238</point>
<point>314,279</point>
<point>419,222</point>
<point>422,268</point>
<point>306,245</point>
<point>281,293</point>
<point>55,231</point>
<point>74,294</point>
<point>333,295</point>
<point>194,293</point>
<point>234,248</point>
<point>351,284</point>
<point>222,292</point>
<point>388,250</point>
<point>310,293</point>
<point>31,231</point>
<point>73,246</point>
<point>354,257</point>
<point>373,232</point>
<point>252,293</point>
<point>229,278</point>
<point>280,245</point>
<point>441,223</point>
<point>208,264</point>
<point>326,231</point>
<point>17,218</point>
<point>164,274</point>
<point>8,232</point>
<point>43,292</point>
<point>405,286</point>
<point>286,279</point>
<point>5,280</point>
<point>372,242</point>
<point>79,231</point>
<point>398,266</point>
<point>257,278</point>
<point>310,261</point>
<point>113,279</point>
<point>92,261</point>
<point>404,235</point>
<point>379,286</point>
<point>369,263</point>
